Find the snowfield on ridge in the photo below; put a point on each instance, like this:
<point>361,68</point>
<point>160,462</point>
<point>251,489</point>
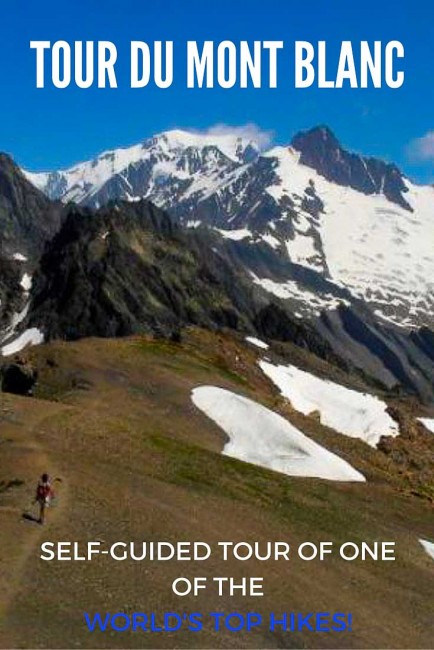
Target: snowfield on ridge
<point>376,249</point>
<point>354,414</point>
<point>258,435</point>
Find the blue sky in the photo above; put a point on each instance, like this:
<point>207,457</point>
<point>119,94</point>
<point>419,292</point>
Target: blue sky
<point>50,128</point>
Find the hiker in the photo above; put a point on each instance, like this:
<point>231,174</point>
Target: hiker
<point>44,494</point>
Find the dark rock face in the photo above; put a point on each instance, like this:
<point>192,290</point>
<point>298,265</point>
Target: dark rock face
<point>27,218</point>
<point>10,289</point>
<point>397,359</point>
<point>242,202</point>
<point>128,269</point>
<point>275,323</point>
<point>424,340</point>
<point>18,378</point>
<point>321,150</point>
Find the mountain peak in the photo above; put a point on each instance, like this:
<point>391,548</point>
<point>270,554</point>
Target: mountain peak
<point>320,149</point>
<point>231,143</point>
<point>10,170</point>
<point>318,136</point>
<point>5,158</point>
<point>174,155</point>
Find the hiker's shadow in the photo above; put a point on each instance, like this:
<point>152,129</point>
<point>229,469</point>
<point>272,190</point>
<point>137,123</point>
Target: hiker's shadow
<point>29,517</point>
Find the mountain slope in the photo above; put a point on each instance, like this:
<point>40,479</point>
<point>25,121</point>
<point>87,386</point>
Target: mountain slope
<point>27,218</point>
<point>328,243</point>
<point>128,269</point>
<point>341,227</point>
<point>114,420</point>
<point>339,240</point>
<point>320,149</point>
<point>10,290</point>
<point>163,166</point>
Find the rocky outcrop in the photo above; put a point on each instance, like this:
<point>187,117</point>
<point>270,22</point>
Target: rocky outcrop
<point>10,289</point>
<point>274,322</point>
<point>27,218</point>
<point>321,150</point>
<point>18,377</point>
<point>399,360</point>
<point>127,269</point>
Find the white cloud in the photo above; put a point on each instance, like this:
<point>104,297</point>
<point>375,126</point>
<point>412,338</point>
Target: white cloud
<point>250,131</point>
<point>422,148</point>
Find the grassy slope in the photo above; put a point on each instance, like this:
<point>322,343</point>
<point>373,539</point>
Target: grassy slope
<point>139,462</point>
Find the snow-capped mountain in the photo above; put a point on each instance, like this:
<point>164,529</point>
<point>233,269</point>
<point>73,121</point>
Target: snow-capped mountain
<point>364,246</point>
<point>315,225</point>
<point>324,248</point>
<point>162,168</point>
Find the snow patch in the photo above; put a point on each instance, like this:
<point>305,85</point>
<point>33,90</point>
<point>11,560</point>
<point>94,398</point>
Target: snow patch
<point>26,282</point>
<point>259,344</point>
<point>271,241</point>
<point>428,423</point>
<point>301,250</point>
<point>428,546</point>
<point>19,258</point>
<point>357,415</point>
<point>235,235</point>
<point>309,302</point>
<point>262,437</point>
<point>31,336</point>
<point>17,318</point>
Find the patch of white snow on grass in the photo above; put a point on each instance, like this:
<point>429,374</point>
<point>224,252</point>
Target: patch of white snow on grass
<point>257,342</point>
<point>19,257</point>
<point>355,414</point>
<point>32,336</point>
<point>428,423</point>
<point>428,546</point>
<point>262,437</point>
